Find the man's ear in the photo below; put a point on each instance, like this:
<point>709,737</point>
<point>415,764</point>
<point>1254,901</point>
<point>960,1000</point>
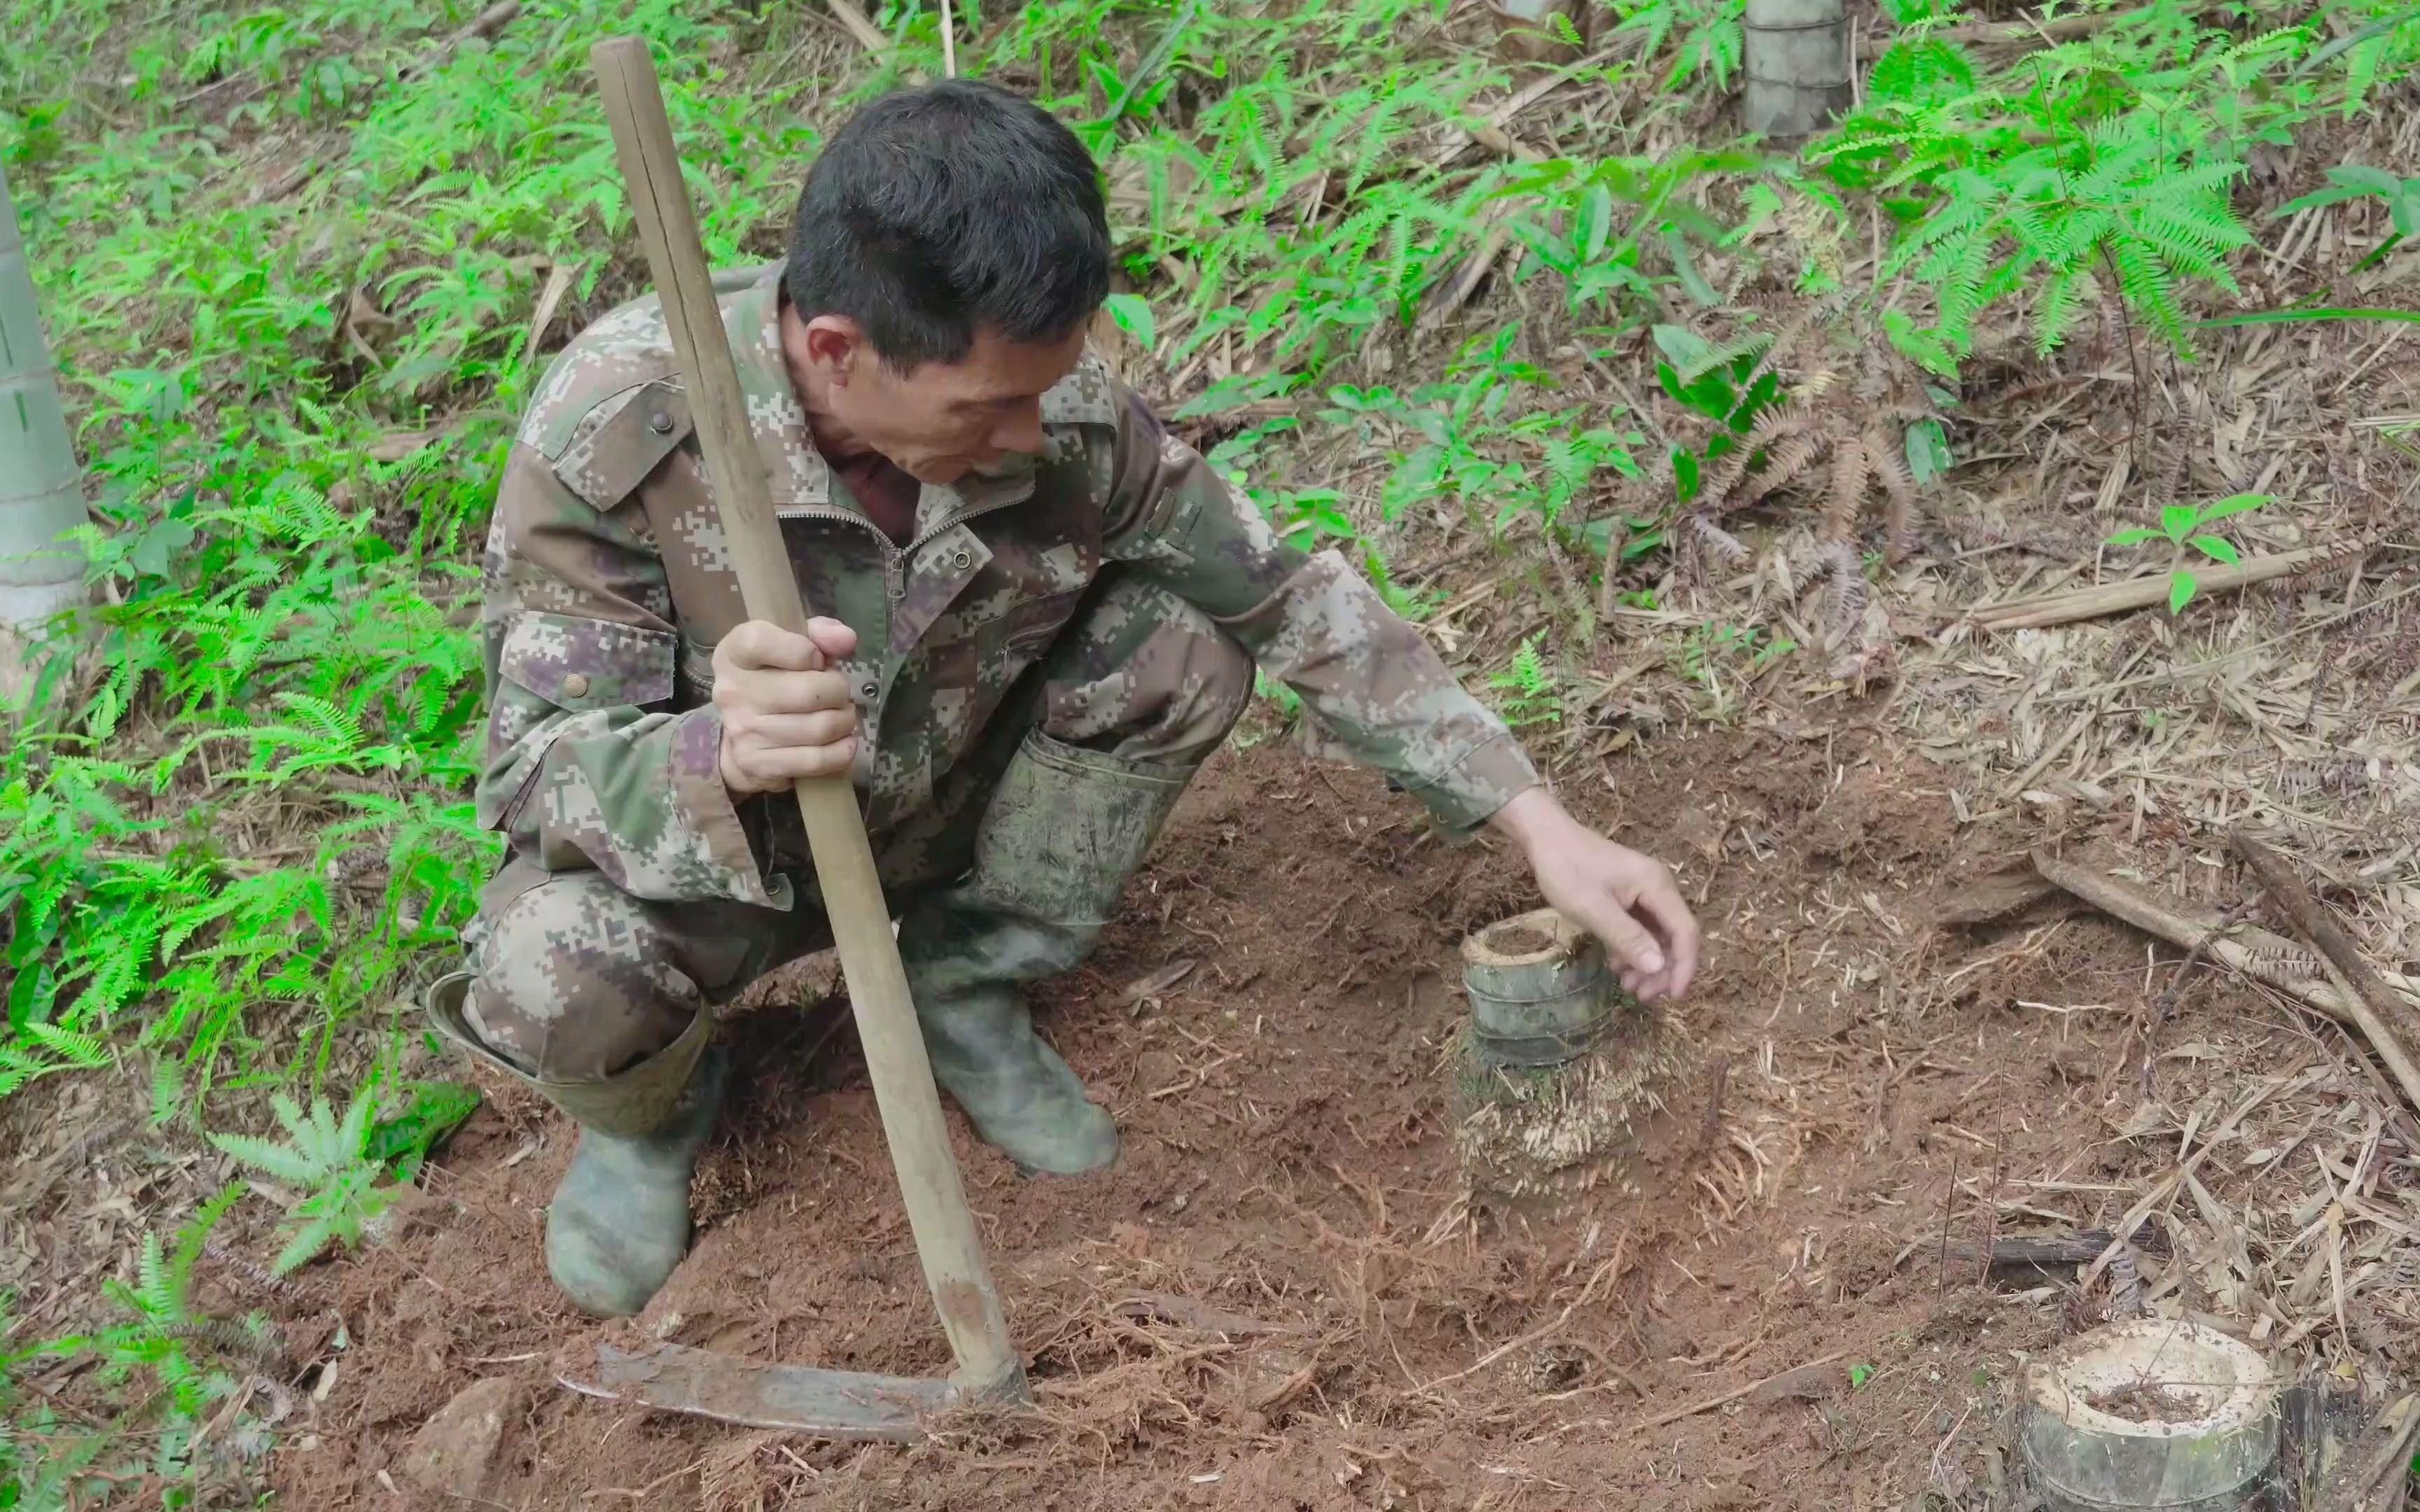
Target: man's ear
<point>836,348</point>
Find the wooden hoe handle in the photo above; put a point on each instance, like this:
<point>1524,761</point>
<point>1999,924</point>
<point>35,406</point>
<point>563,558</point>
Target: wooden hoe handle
<point>947,1242</point>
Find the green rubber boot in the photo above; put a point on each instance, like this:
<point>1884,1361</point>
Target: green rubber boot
<point>1066,830</point>
<point>619,1222</point>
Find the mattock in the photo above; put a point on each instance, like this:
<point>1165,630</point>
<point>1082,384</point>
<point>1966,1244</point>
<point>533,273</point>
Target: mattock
<point>833,1403</point>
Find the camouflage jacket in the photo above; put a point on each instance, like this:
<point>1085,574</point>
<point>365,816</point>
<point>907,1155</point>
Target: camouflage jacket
<point>608,582</point>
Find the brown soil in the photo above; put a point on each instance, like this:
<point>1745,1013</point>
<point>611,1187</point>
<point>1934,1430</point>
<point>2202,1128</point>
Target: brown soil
<point>2138,1402</point>
<point>1289,1158</point>
<point>1519,940</point>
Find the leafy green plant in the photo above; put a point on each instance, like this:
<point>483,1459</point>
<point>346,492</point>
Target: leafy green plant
<point>1132,315</point>
<point>2186,529</point>
<point>2096,169</point>
<point>190,1366</point>
<point>1728,384</point>
<point>1531,693</point>
<point>277,621</point>
<point>1713,649</point>
<point>1472,447</point>
<point>2352,180</point>
<point>1624,225</point>
<point>1705,37</point>
<point>331,1161</point>
<point>400,1141</point>
<point>1928,452</point>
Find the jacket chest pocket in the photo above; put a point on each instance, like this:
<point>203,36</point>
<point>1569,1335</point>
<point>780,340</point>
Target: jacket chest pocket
<point>1026,588</point>
<point>1034,626</point>
<point>990,652</point>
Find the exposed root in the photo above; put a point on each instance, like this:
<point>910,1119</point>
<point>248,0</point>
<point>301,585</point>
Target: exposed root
<point>1555,1131</point>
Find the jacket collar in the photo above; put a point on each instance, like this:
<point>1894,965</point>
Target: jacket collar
<point>799,477</point>
<point>796,472</point>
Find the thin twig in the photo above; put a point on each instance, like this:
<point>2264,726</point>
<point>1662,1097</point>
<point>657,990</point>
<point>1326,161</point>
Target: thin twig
<point>1712,1402</point>
<point>1588,1293</point>
<point>1948,1208</point>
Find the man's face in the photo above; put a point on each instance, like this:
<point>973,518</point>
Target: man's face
<point>945,419</point>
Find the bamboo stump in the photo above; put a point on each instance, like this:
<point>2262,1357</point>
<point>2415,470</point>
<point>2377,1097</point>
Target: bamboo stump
<point>1796,59</point>
<point>41,491</point>
<point>1557,1069</point>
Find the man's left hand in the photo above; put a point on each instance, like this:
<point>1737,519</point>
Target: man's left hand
<point>1628,901</point>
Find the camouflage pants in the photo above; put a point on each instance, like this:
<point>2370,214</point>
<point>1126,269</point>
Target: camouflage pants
<point>577,980</point>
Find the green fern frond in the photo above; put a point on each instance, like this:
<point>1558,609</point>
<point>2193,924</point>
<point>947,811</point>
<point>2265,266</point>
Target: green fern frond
<point>159,1293</point>
<point>283,1162</point>
<point>335,728</point>
<point>2066,294</point>
<point>84,1051</point>
<point>195,1233</point>
<point>2147,285</point>
<point>1721,355</point>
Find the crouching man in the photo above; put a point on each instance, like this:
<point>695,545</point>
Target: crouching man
<point>1040,613</point>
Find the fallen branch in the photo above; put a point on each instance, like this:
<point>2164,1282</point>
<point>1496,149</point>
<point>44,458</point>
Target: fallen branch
<point>2065,28</point>
<point>2073,603</point>
<point>1187,1312</point>
<point>2352,971</point>
<point>1474,269</point>
<point>2253,952</point>
<point>2081,1248</point>
<point>1712,1402</point>
<point>854,22</point>
<point>1492,135</point>
<point>483,27</point>
<point>2370,1000</point>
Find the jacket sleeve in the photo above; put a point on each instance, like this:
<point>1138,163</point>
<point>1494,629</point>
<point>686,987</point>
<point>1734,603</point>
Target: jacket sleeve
<point>586,764</point>
<point>1312,622</point>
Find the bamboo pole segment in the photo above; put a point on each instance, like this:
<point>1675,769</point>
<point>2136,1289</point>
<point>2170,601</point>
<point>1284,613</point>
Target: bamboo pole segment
<point>947,1242</point>
<point>41,494</point>
<point>2073,603</point>
<point>1795,56</point>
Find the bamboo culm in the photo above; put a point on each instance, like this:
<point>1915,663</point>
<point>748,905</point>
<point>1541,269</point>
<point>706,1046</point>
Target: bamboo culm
<point>1796,60</point>
<point>42,493</point>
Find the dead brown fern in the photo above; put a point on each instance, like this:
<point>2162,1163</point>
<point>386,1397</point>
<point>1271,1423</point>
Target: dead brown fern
<point>1857,427</point>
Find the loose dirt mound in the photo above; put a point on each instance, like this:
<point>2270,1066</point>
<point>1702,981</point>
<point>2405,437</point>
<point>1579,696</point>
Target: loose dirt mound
<point>1287,1161</point>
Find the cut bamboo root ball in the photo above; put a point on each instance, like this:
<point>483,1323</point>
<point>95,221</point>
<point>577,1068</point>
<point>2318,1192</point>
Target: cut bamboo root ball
<point>2151,1413</point>
<point>1558,1069</point>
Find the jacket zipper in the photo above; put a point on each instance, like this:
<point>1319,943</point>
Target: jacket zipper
<point>895,556</point>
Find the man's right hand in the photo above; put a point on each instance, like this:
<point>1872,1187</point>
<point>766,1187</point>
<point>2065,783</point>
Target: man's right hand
<point>787,713</point>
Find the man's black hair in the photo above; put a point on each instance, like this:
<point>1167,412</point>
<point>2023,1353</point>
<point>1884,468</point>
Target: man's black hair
<point>937,211</point>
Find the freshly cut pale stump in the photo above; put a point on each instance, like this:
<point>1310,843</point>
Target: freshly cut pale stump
<point>1558,1067</point>
<point>2150,1413</point>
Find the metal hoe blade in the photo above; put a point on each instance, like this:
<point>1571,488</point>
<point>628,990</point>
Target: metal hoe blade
<point>835,1404</point>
